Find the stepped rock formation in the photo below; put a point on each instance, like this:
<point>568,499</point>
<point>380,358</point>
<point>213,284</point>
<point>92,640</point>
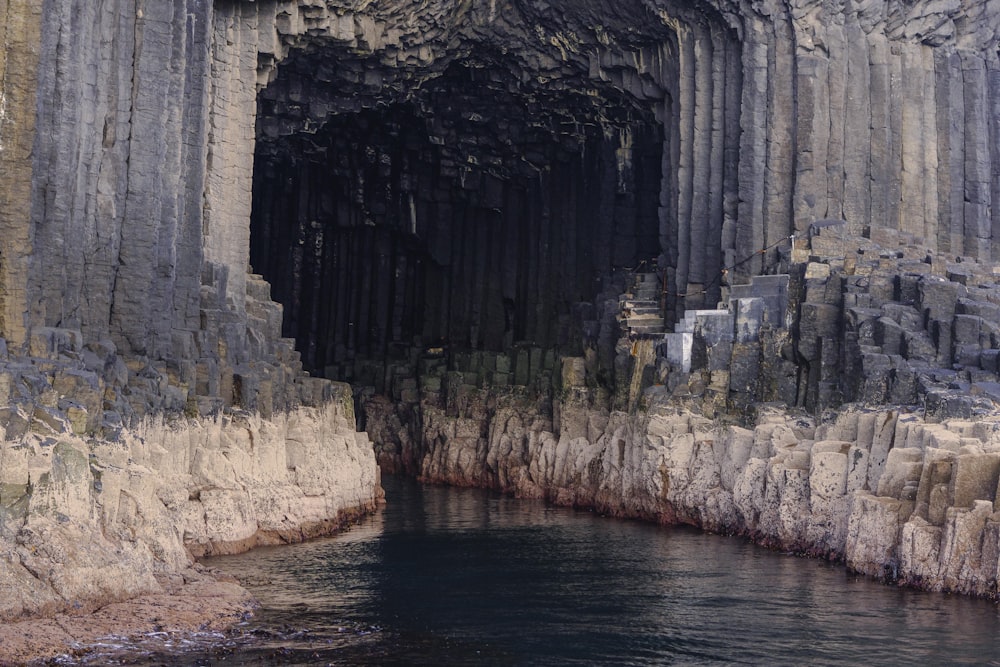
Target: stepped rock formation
<point>150,410</point>
<point>447,199</point>
<point>900,483</point>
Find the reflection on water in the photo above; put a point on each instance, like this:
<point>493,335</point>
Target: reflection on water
<point>458,576</point>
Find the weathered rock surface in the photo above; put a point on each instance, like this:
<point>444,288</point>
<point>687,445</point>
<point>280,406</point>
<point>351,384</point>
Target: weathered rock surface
<point>195,602</point>
<point>750,121</point>
<point>445,157</point>
<point>889,494</point>
<point>421,170</point>
<point>737,424</point>
<point>88,521</point>
<point>112,482</point>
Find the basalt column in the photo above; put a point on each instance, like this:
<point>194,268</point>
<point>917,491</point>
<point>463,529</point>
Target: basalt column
<point>20,25</point>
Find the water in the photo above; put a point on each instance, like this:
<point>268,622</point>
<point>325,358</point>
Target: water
<point>465,577</point>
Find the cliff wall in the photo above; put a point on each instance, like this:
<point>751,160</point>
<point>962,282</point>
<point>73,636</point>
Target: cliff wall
<point>132,327</point>
<point>774,115</point>
<point>887,493</point>
<point>849,410</point>
<point>769,116</point>
<point>150,410</point>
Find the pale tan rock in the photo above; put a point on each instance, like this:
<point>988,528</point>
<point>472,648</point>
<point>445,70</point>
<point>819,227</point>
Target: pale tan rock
<point>827,476</point>
<point>872,540</point>
<point>102,520</point>
<point>903,464</point>
<point>857,468</point>
<point>975,478</point>
<point>816,270</point>
<point>806,496</point>
<point>736,448</point>
<point>920,552</point>
<point>962,546</point>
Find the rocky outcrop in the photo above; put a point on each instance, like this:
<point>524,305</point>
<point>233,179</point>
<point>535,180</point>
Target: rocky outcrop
<point>736,422</point>
<point>739,122</point>
<point>198,603</point>
<point>151,411</point>
<point>117,470</point>
<point>710,133</point>
<point>91,518</point>
<point>162,417</point>
<point>889,494</point>
<point>446,196</point>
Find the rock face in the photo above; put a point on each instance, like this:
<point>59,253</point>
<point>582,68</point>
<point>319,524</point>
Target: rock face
<point>85,521</point>
<point>585,131</point>
<point>116,470</point>
<point>150,410</point>
<point>737,423</point>
<point>891,495</point>
<point>447,158</point>
<point>445,196</point>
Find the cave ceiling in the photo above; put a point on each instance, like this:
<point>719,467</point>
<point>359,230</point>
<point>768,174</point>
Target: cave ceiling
<point>490,79</point>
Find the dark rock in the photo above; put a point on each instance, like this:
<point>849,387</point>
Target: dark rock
<point>818,320</point>
<point>938,298</point>
<point>966,329</point>
<point>889,335</point>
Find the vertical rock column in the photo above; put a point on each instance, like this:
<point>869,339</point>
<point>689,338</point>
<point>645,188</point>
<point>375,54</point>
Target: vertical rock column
<point>231,140</point>
<point>896,121</point>
<point>967,87</point>
<point>119,164</point>
<point>977,157</point>
<point>881,114</point>
<point>699,221</point>
<point>140,177</point>
<point>171,46</point>
<point>20,22</point>
<point>749,231</point>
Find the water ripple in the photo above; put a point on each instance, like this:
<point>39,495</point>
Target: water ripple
<point>463,577</point>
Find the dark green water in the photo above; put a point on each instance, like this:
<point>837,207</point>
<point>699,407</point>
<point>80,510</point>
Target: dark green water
<point>464,577</point>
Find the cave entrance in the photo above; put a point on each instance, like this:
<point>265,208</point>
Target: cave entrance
<point>474,214</point>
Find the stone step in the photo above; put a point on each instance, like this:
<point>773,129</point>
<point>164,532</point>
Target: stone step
<point>651,328</point>
<point>639,303</point>
<point>258,289</point>
<point>640,308</point>
<point>648,335</point>
<point>643,320</point>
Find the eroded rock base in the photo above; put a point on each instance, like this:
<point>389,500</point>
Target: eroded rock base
<point>104,513</point>
<point>201,602</point>
<point>85,522</point>
<point>738,421</point>
<point>885,492</point>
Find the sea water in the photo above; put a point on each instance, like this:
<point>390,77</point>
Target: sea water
<point>446,576</point>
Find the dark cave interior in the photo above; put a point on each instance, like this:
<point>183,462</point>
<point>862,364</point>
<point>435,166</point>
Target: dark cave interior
<point>476,211</point>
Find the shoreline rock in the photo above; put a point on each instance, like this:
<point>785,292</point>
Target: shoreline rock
<point>847,410</point>
<point>885,492</point>
<point>126,291</point>
<point>87,523</point>
<point>199,599</point>
<point>202,601</point>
